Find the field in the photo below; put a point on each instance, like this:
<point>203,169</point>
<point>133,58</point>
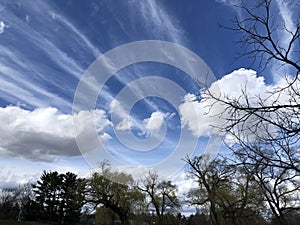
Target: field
<point>13,222</point>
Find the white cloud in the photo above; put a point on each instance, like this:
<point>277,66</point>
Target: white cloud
<point>234,4</point>
<point>125,122</point>
<point>200,118</point>
<point>13,82</point>
<point>229,2</point>
<point>81,37</point>
<point>209,113</point>
<point>2,27</point>
<point>193,113</point>
<point>286,13</point>
<point>155,121</point>
<point>27,18</point>
<point>159,21</point>
<point>45,134</point>
<point>286,17</point>
<point>16,67</point>
<point>8,178</point>
<point>16,171</point>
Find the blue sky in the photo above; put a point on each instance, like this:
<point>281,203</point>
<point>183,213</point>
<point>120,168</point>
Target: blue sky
<point>46,47</point>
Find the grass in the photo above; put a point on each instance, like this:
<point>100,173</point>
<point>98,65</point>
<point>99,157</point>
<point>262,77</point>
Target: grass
<point>13,222</point>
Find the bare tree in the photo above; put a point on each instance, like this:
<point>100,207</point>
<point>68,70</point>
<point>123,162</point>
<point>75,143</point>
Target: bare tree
<point>264,128</point>
<point>9,203</point>
<point>230,194</point>
<point>259,38</point>
<point>279,108</point>
<point>25,195</point>
<point>161,193</point>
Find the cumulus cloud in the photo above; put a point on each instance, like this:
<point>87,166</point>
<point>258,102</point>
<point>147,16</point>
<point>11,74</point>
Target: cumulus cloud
<point>202,117</point>
<point>125,122</point>
<point>45,134</point>
<point>193,113</point>
<point>2,27</point>
<point>155,121</point>
<point>9,178</point>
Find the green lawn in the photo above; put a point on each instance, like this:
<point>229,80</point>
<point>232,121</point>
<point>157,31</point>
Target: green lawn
<point>12,222</point>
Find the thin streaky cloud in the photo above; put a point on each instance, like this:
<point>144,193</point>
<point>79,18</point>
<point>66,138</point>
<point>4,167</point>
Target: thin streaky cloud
<point>286,14</point>
<point>58,56</point>
<point>30,94</point>
<point>13,81</point>
<point>56,15</point>
<point>7,54</point>
<point>286,17</point>
<point>156,17</point>
<point>96,52</point>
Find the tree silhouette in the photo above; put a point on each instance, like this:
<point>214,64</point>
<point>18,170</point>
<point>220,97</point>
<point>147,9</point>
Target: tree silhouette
<point>264,129</point>
<point>59,197</point>
<point>162,194</point>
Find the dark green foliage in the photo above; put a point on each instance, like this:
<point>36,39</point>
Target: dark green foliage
<point>105,216</point>
<point>59,198</point>
<point>198,219</point>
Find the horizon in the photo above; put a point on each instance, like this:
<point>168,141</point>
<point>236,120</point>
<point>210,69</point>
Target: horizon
<point>47,51</point>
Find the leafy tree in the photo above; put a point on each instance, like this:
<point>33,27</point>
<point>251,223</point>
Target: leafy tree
<point>122,199</point>
<point>162,195</point>
<point>105,216</point>
<point>72,198</point>
<point>198,219</point>
<point>48,190</point>
<point>58,197</point>
<point>230,195</point>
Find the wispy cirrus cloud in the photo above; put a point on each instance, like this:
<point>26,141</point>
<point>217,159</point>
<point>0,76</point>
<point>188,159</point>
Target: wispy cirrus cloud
<point>18,86</point>
<point>159,22</point>
<point>37,71</point>
<point>80,36</point>
<point>287,20</point>
<point>283,27</point>
<point>286,12</point>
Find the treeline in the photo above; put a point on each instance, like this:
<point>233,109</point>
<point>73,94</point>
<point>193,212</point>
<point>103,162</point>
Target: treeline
<point>259,184</point>
<point>66,199</point>
<point>223,192</point>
